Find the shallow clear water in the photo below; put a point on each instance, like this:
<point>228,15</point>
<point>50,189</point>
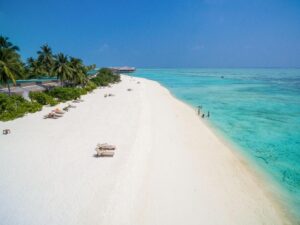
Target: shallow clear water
<point>257,109</point>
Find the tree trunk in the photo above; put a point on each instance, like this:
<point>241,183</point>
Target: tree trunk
<point>8,87</point>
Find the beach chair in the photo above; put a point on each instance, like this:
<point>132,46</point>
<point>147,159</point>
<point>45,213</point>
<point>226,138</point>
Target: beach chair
<point>78,100</point>
<point>6,131</point>
<point>106,146</point>
<point>58,114</point>
<point>71,106</point>
<point>105,152</point>
<point>51,116</point>
<point>58,111</point>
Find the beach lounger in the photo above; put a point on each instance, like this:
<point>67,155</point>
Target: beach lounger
<point>58,114</point>
<point>58,111</point>
<point>6,131</point>
<point>78,100</point>
<point>105,149</point>
<point>106,146</point>
<point>51,116</point>
<point>105,152</point>
<point>129,89</point>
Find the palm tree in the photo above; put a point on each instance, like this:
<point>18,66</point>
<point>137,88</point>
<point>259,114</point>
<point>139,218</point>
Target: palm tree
<point>62,68</point>
<point>33,68</point>
<point>5,43</point>
<point>79,71</point>
<point>30,61</point>
<point>45,59</point>
<point>91,67</point>
<point>10,66</point>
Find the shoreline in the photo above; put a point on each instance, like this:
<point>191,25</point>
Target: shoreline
<point>163,172</point>
<point>270,187</point>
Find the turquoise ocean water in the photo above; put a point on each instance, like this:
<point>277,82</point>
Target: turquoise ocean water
<point>256,109</point>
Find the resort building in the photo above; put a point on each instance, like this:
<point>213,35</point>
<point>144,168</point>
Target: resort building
<point>124,69</point>
<point>23,87</point>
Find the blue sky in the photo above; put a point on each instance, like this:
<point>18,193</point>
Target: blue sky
<point>159,33</point>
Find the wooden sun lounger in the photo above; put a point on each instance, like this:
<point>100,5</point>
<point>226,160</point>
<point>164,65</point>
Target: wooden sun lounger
<point>51,116</point>
<point>106,146</point>
<point>66,108</point>
<point>58,111</point>
<point>78,101</point>
<point>58,114</point>
<point>105,149</point>
<point>6,131</point>
<point>105,152</point>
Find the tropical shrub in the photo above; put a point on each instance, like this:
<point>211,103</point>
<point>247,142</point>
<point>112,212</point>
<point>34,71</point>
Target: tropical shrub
<point>64,93</point>
<point>12,107</point>
<point>90,86</point>
<point>99,81</point>
<point>105,77</point>
<point>33,107</point>
<point>42,98</point>
<point>82,91</point>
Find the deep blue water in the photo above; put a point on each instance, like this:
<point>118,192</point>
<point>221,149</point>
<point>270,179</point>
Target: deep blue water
<point>257,109</point>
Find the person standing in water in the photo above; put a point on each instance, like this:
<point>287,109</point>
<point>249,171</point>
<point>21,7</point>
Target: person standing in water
<point>208,114</point>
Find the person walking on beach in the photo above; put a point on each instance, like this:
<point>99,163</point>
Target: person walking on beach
<point>203,115</point>
<point>198,112</point>
<point>199,109</point>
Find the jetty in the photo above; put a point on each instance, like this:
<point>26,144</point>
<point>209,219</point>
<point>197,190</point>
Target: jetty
<point>123,69</point>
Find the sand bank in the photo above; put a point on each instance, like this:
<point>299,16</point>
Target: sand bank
<point>169,168</point>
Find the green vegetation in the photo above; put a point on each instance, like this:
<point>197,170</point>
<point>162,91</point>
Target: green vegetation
<point>42,98</point>
<point>11,66</point>
<point>105,77</point>
<point>15,106</point>
<point>70,71</point>
<point>90,86</point>
<point>65,93</point>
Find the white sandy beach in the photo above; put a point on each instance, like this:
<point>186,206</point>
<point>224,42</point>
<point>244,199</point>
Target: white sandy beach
<point>169,167</point>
